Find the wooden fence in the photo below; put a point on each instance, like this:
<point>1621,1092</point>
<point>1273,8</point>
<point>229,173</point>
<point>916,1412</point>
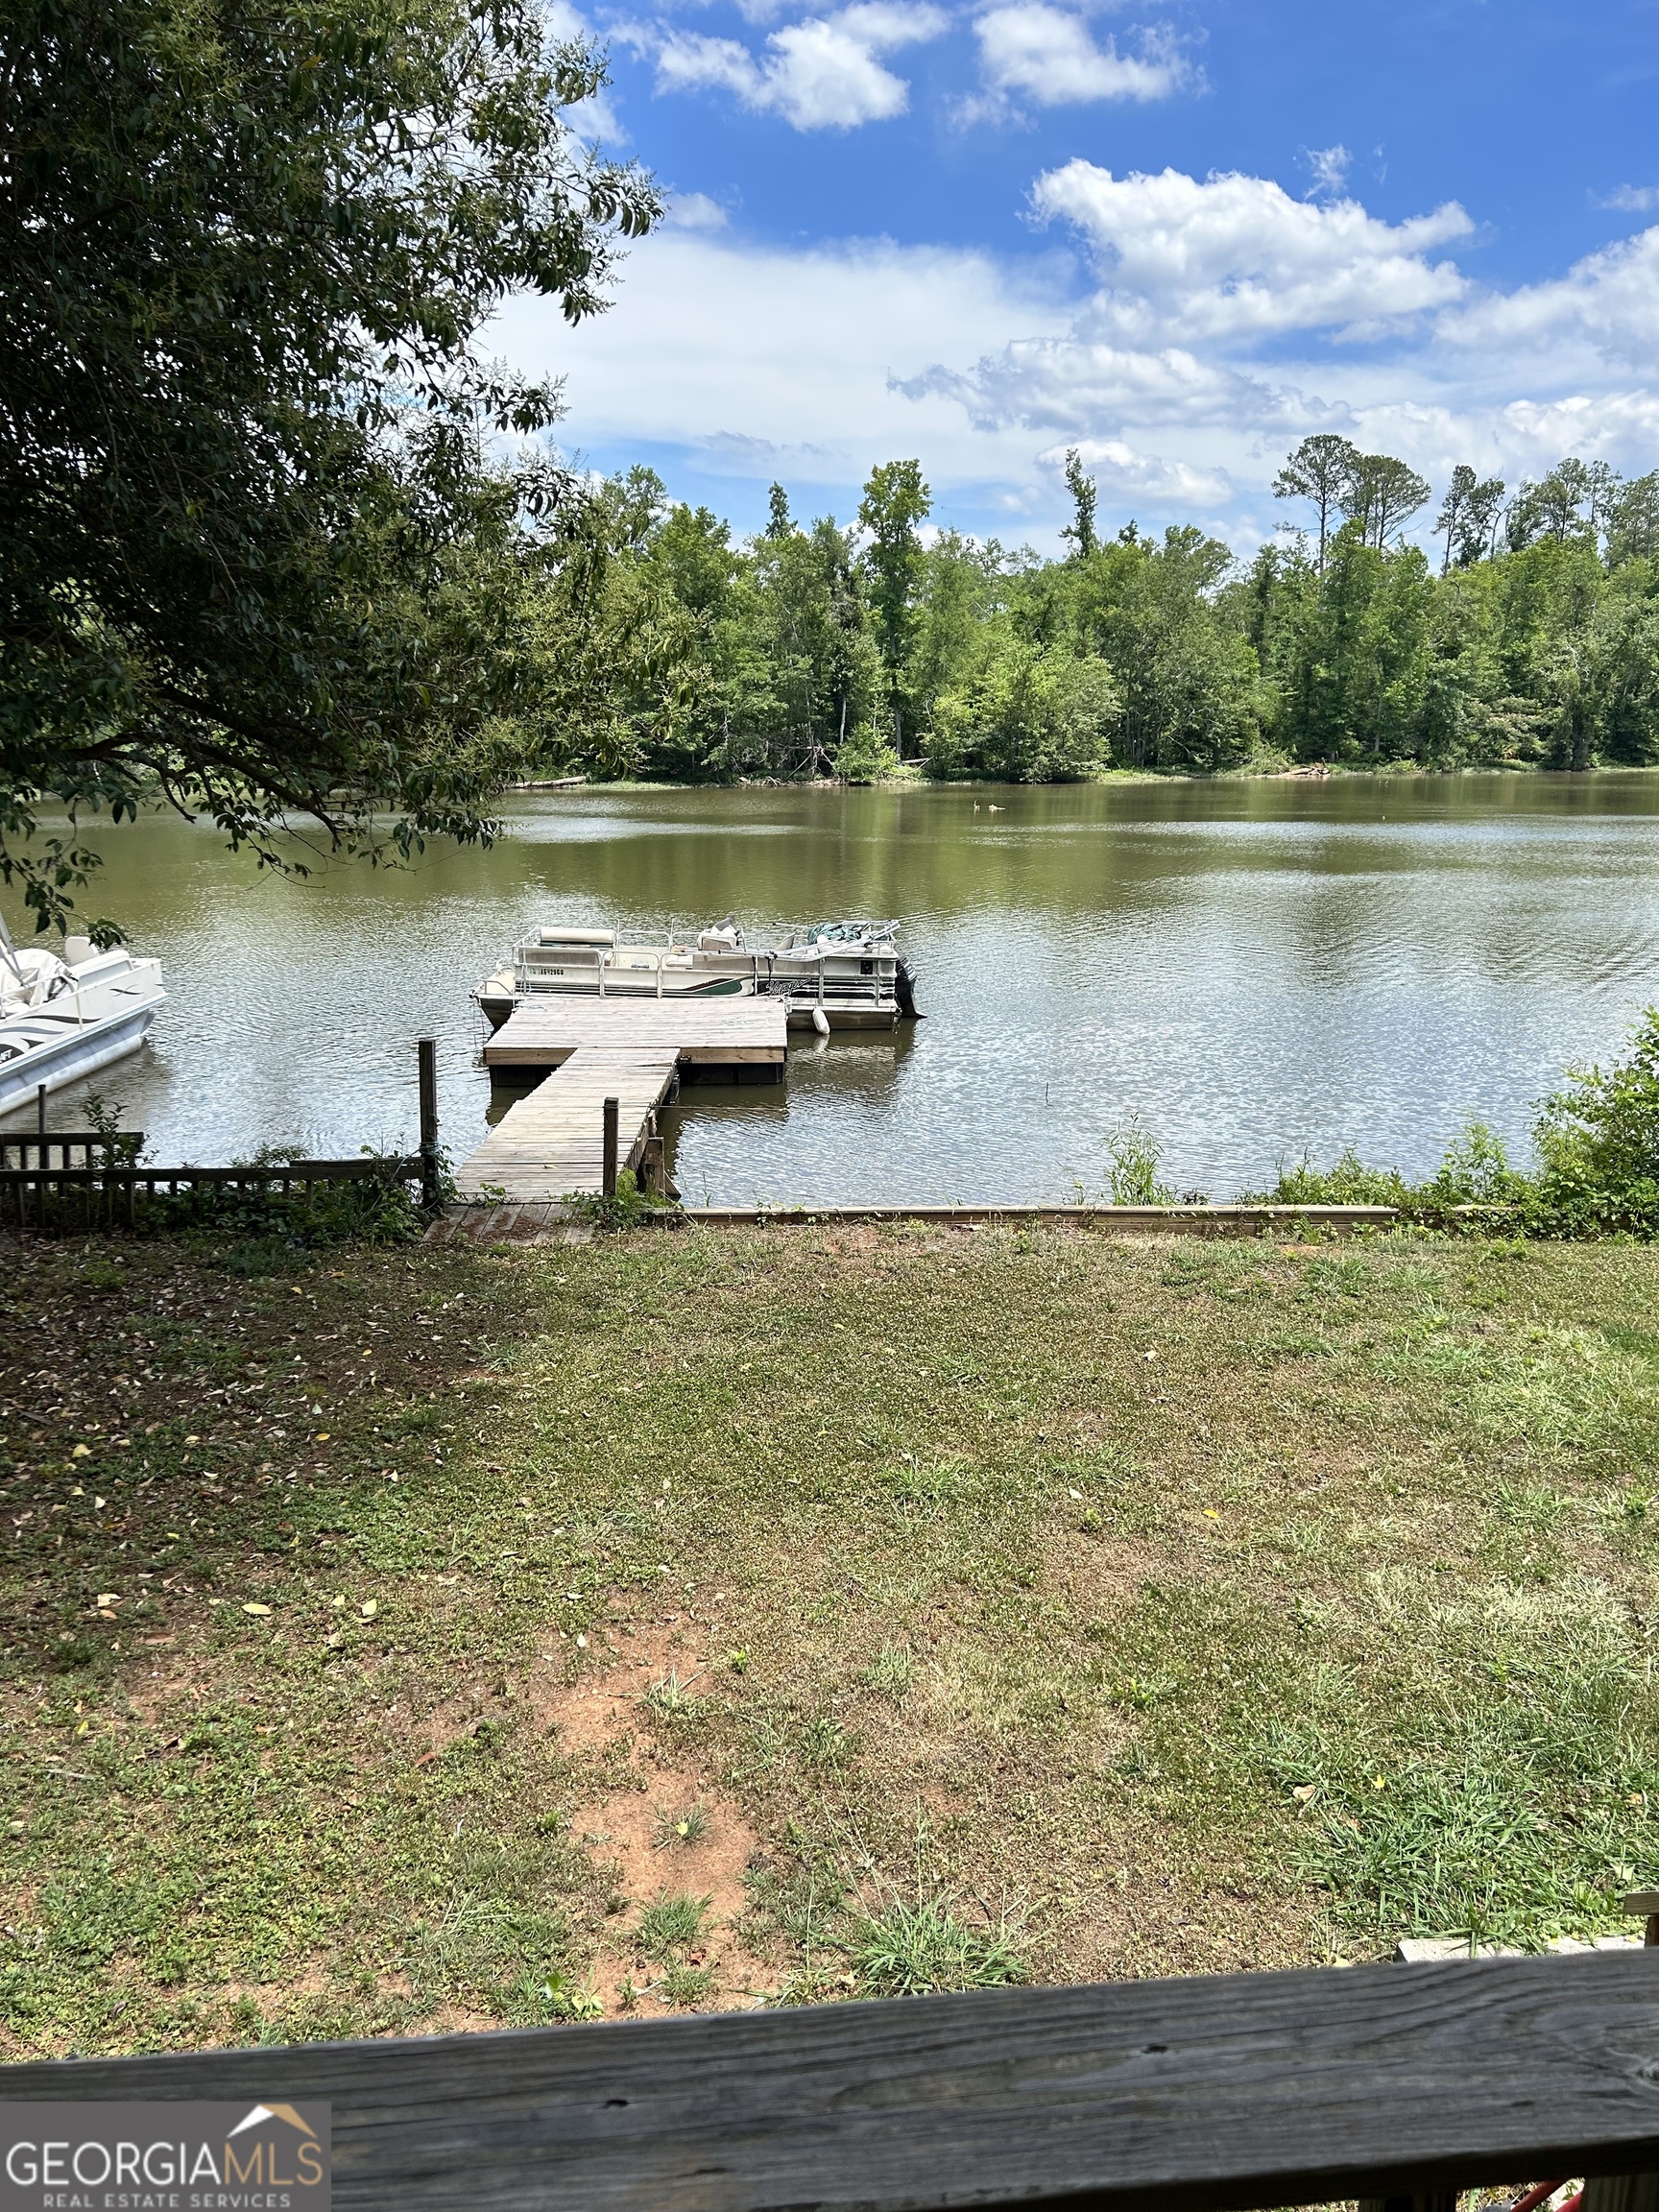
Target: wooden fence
<point>91,1147</point>
<point>1397,2085</point>
<point>40,1193</point>
<point>107,1194</point>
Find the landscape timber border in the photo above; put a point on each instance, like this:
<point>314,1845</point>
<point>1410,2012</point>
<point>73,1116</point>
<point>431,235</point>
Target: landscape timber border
<point>503,1219</point>
<point>1395,2085</point>
<point>1130,1220</point>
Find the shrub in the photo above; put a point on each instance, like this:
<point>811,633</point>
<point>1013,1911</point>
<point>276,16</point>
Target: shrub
<point>1026,716</point>
<point>1135,1154</point>
<point>863,758</point>
<point>1599,1140</point>
<point>1347,1182</point>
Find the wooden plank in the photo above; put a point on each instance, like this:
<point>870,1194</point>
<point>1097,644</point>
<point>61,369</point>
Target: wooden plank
<point>709,1054</point>
<point>732,1055</point>
<point>1177,2096</point>
<point>543,1032</point>
<point>550,1144</point>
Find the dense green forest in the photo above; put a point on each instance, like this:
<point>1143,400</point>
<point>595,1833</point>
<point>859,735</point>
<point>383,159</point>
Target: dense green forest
<point>280,542</point>
<point>1530,636</point>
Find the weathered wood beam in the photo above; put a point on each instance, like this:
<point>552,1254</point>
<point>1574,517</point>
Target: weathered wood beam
<point>1175,2096</point>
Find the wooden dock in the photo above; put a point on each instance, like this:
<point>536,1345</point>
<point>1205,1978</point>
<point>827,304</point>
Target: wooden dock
<point>724,1032</point>
<point>551,1143</point>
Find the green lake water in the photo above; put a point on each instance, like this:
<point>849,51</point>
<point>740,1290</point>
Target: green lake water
<point>1259,968</point>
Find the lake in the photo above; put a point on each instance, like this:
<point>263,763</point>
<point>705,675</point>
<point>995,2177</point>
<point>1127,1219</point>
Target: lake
<point>1258,967</point>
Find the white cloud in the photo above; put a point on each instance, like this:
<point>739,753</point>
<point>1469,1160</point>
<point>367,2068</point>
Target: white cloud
<point>1511,438</point>
<point>1329,167</point>
<point>598,121</point>
<point>822,73</point>
<point>1202,347</point>
<point>1606,423</point>
<point>1069,383</point>
<point>695,211</point>
<point>1050,55</point>
<point>1607,308</point>
<point>770,361</point>
<point>1117,468</point>
<point>1236,257</point>
<point>1633,199</point>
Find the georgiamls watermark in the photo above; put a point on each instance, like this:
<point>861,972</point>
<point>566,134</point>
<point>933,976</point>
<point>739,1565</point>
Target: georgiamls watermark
<point>159,2156</point>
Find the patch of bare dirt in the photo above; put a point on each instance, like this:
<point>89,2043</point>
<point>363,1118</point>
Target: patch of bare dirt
<point>656,1829</point>
<point>271,1996</point>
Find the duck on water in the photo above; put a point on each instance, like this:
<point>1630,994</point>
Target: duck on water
<point>833,975</point>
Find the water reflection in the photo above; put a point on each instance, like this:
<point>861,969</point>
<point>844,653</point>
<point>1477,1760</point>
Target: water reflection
<point>1257,967</point>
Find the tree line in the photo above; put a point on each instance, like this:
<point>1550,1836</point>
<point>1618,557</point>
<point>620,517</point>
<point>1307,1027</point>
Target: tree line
<point>260,557</point>
<point>1529,638</point>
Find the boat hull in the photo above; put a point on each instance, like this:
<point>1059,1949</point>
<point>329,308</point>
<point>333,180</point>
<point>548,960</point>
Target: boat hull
<point>80,1051</point>
<point>499,1008</point>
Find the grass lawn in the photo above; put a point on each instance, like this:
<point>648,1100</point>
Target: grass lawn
<point>442,1638</point>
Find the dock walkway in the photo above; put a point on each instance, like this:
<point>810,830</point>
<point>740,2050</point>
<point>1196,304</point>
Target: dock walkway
<point>551,1142</point>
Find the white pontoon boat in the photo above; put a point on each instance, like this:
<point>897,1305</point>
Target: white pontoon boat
<point>63,1018</point>
<point>836,975</point>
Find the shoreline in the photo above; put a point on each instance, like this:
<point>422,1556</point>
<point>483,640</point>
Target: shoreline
<point>1304,772</point>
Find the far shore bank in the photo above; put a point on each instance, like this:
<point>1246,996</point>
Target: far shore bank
<point>911,778</point>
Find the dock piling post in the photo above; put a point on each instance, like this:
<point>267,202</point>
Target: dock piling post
<point>426,1055</point>
<point>608,1170</point>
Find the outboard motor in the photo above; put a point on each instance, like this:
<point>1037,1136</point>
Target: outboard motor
<point>905,991</point>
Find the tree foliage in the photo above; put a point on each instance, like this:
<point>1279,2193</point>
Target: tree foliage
<point>895,503</point>
<point>251,557</point>
<point>791,654</point>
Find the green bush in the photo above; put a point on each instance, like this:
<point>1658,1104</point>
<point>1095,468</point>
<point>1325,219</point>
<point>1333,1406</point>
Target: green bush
<point>1597,1138</point>
<point>1597,1174</point>
<point>863,758</point>
<point>1133,1179</point>
<point>1347,1182</point>
<point>1026,716</point>
<point>1475,1171</point>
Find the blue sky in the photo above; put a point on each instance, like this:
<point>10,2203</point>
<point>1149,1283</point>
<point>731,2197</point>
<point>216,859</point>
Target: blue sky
<point>1176,237</point>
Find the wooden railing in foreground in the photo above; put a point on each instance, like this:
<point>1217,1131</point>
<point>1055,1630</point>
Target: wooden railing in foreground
<point>1392,2083</point>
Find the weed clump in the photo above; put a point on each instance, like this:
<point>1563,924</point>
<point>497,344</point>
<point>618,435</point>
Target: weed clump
<point>890,1672</point>
<point>912,1950</point>
<point>687,1826</point>
<point>673,1923</point>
